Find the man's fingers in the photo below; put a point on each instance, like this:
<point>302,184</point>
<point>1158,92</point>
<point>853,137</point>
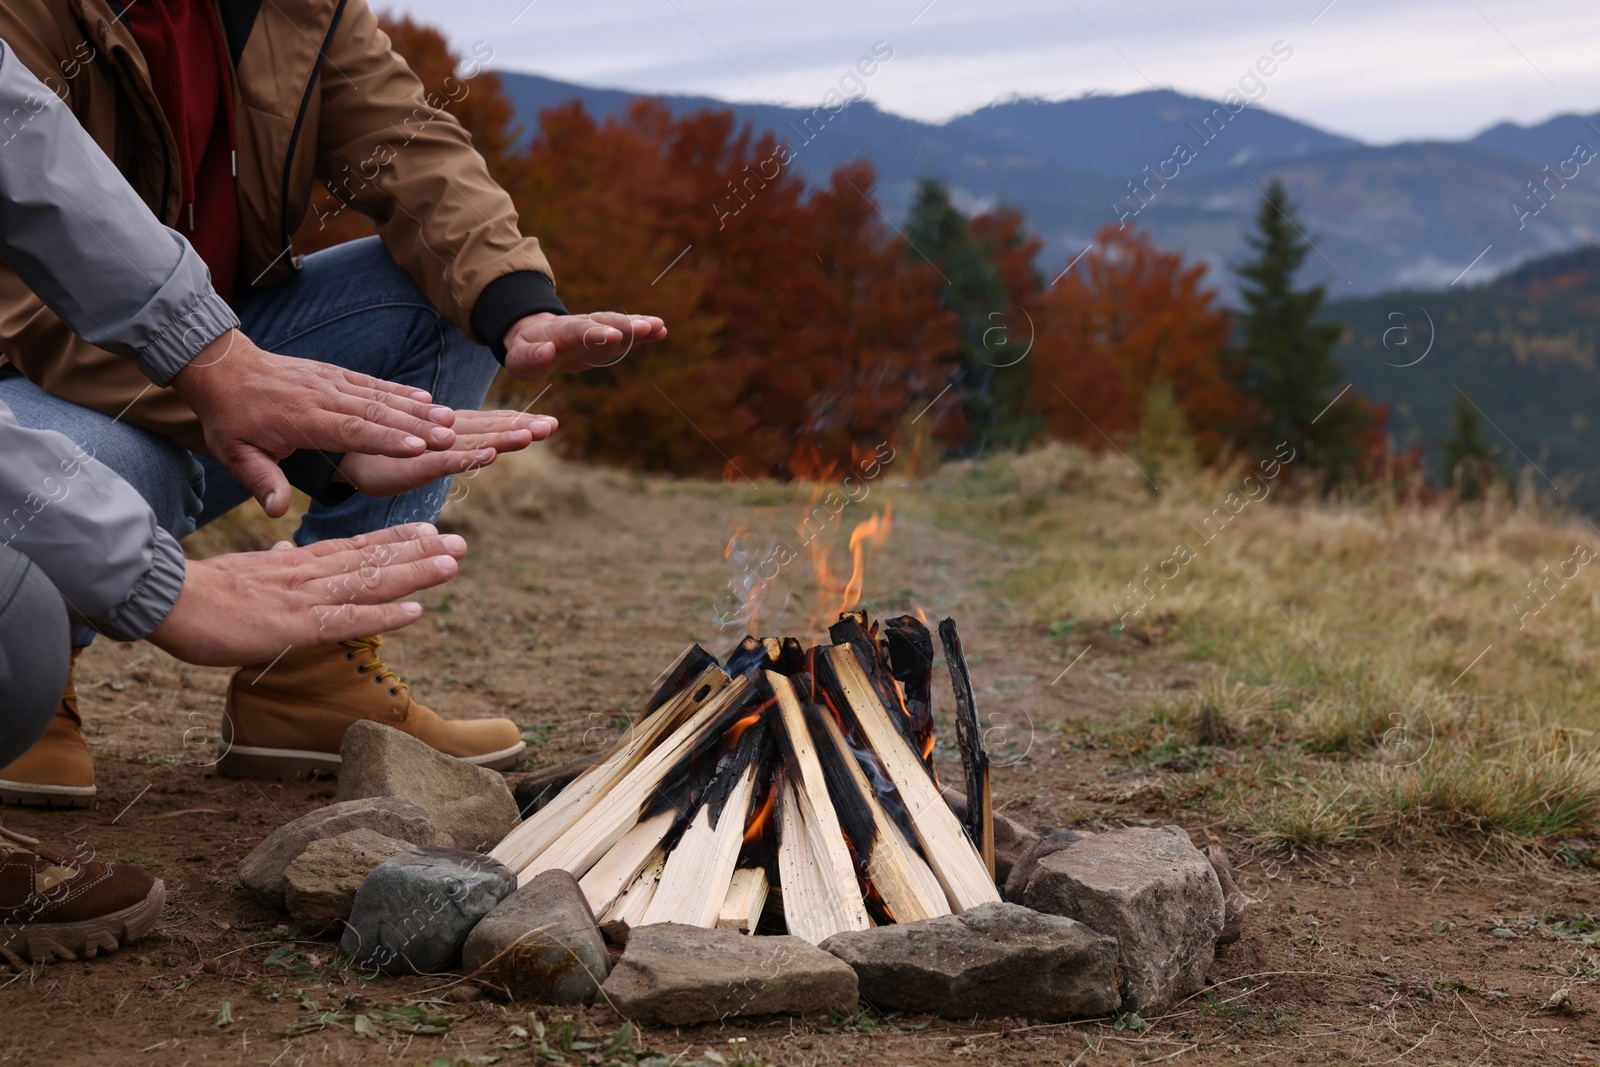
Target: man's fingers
<point>357,431</point>
<point>504,441</point>
<point>377,584</point>
<point>367,381</point>
<point>425,411</point>
<point>468,422</point>
<point>346,621</point>
<point>367,559</point>
<point>389,535</point>
<point>435,465</point>
<point>259,473</point>
<point>383,410</point>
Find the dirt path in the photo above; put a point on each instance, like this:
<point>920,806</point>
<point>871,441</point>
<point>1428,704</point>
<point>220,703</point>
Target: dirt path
<point>581,587</point>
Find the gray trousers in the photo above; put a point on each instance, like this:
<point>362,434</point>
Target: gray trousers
<point>34,656</point>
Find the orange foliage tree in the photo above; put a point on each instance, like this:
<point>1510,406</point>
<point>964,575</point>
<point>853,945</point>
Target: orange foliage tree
<point>1128,316</point>
<point>793,319</point>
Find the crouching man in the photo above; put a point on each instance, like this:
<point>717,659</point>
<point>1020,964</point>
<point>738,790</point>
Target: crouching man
<point>80,546</point>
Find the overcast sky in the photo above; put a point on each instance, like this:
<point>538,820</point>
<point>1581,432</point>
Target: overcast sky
<point>1380,70</point>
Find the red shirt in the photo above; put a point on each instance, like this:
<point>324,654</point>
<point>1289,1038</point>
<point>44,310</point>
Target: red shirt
<point>184,48</point>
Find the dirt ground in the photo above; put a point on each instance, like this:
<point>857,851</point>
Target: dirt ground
<point>579,590</point>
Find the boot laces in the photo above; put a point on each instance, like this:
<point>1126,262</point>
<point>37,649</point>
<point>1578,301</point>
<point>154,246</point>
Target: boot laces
<point>11,841</point>
<point>370,645</point>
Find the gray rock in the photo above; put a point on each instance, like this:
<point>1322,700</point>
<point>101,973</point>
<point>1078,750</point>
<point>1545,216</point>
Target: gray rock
<point>1011,838</point>
<point>1234,901</point>
<point>414,911</point>
<point>995,961</point>
<point>541,943</point>
<point>672,975</point>
<point>1150,889</point>
<point>320,885</point>
<point>261,871</point>
<point>471,804</point>
<point>1028,861</point>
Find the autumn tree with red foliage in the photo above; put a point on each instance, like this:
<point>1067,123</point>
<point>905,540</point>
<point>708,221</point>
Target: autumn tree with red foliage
<point>793,318</point>
<point>1126,317</point>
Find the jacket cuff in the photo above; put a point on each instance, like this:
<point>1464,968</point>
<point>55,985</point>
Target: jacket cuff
<point>202,322</point>
<point>147,606</point>
<point>311,471</point>
<point>509,298</point>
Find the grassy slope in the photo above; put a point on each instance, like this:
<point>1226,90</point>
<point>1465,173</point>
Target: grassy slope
<point>1340,637</point>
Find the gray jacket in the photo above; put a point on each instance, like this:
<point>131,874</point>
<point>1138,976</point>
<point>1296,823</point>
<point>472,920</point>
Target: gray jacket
<point>88,246</point>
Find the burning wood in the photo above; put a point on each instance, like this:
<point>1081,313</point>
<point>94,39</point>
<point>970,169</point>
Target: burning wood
<point>979,821</point>
<point>784,780</point>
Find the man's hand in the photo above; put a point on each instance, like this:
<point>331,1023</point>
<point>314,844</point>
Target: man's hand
<point>480,437</point>
<point>541,345</point>
<point>257,407</point>
<point>251,606</point>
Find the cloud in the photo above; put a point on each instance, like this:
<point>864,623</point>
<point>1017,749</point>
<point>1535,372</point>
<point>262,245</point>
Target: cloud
<point>1372,69</point>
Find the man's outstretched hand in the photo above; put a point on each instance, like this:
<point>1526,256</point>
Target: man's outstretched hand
<point>480,437</point>
<point>247,607</point>
<point>257,407</point>
<point>541,345</point>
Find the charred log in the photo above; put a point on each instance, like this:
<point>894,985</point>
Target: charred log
<point>979,820</point>
<point>911,662</point>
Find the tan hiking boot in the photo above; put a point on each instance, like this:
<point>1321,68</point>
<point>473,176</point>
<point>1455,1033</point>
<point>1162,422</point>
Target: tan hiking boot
<point>58,770</point>
<point>287,719</point>
<point>56,906</point>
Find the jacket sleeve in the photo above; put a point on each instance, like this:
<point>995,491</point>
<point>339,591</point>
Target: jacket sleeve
<point>89,531</point>
<point>389,150</point>
<point>80,238</point>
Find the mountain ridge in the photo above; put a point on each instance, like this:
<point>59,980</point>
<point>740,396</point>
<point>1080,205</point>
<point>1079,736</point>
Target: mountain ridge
<point>1408,213</point>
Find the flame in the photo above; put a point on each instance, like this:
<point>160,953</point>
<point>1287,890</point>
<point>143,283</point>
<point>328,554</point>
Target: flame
<point>927,748</point>
<point>736,731</point>
<point>835,593</point>
<point>756,829</point>
<point>922,616</point>
<point>874,532</point>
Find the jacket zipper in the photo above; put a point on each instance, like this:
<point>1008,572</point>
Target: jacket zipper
<point>299,120</point>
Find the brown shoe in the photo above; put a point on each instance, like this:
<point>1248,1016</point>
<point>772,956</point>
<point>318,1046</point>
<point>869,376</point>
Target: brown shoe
<point>287,719</point>
<point>58,770</point>
<point>53,905</point>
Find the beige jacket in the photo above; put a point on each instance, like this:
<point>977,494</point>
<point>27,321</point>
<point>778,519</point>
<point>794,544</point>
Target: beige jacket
<point>319,95</point>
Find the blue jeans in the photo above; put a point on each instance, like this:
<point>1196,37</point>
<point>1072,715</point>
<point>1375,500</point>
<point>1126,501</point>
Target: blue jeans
<point>351,306</point>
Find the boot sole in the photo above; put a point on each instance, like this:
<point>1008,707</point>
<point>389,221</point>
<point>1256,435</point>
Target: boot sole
<point>30,794</point>
<point>33,942</point>
<point>292,765</point>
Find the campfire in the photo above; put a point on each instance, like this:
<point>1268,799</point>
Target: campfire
<point>784,788</point>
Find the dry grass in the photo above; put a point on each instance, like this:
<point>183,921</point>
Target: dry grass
<point>1379,670</point>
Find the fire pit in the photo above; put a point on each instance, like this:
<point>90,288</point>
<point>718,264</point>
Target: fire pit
<point>783,790</point>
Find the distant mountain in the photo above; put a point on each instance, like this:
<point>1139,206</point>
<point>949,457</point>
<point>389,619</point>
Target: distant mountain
<point>1118,136</point>
<point>1551,141</point>
<point>1523,347</point>
<point>1416,214</point>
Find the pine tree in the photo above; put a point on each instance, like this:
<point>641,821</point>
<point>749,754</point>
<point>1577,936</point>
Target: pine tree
<point>1284,357</point>
<point>1471,464</point>
<point>993,389</point>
